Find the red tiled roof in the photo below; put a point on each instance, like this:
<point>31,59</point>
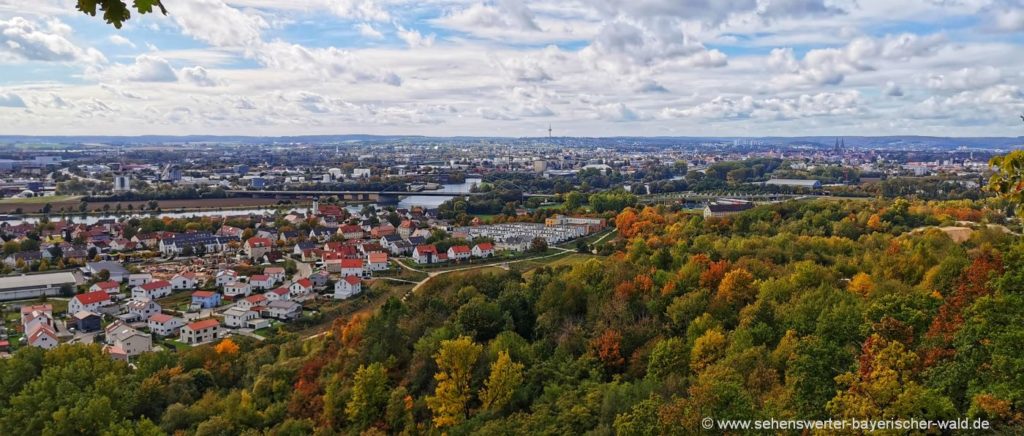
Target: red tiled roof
<point>161,318</point>
<point>92,297</point>
<point>206,323</point>
<point>157,284</point>
<point>305,283</point>
<point>378,257</point>
<point>352,280</point>
<point>202,294</point>
<point>351,263</point>
<point>109,284</point>
<point>256,298</point>
<point>259,278</point>
<point>280,291</point>
<point>459,249</point>
<point>485,246</point>
<point>423,249</point>
<point>257,241</point>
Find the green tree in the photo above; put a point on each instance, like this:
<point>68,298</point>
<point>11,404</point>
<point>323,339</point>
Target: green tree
<point>116,12</point>
<point>369,395</point>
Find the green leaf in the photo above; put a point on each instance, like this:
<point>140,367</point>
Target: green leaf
<point>115,12</point>
<point>144,6</point>
<point>87,7</point>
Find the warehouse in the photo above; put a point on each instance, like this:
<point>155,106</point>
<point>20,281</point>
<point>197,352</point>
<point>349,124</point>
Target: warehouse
<point>34,286</point>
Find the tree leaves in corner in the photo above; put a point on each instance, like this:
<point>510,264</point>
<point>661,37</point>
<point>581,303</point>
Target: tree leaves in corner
<point>116,12</point>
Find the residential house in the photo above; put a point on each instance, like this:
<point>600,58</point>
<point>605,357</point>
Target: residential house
<point>377,262</point>
<point>721,209</point>
<point>199,332</point>
<point>237,317</point>
<point>276,273</point>
<point>283,310</point>
<point>124,337</point>
<point>319,279</point>
<point>252,302</point>
<point>142,308</point>
<point>153,290</point>
<point>89,301</point>
<point>139,279</point>
<point>257,247</point>
<point>351,267</point>
<point>165,325</point>
<point>236,290</point>
<point>110,287</point>
<point>351,231</point>
<point>205,299</point>
<point>425,254</point>
<point>42,336</point>
<point>301,288</point>
<point>347,287</point>
<point>278,294</point>
<point>86,321</point>
<point>260,282</point>
<point>184,281</point>
<point>483,249</point>
<point>226,276</point>
<point>459,252</point>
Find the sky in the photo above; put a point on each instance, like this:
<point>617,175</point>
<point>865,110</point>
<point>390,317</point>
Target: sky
<point>516,67</point>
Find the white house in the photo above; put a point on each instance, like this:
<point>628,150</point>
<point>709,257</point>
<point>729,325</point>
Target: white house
<point>301,288</point>
<point>237,289</point>
<point>142,308</point>
<point>459,252</point>
<point>278,294</point>
<point>283,310</point>
<point>236,317</point>
<point>200,331</point>
<point>225,277</point>
<point>483,249</point>
<point>351,267</point>
<point>42,336</point>
<point>252,301</point>
<point>275,273</point>
<point>132,341</point>
<point>185,281</point>
<point>377,262</point>
<point>139,279</point>
<point>165,325</point>
<point>261,281</point>
<point>425,254</point>
<point>109,286</point>
<point>152,290</point>
<point>347,287</point>
<point>89,301</point>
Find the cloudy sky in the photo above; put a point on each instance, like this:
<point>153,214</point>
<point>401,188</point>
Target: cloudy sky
<point>513,67</point>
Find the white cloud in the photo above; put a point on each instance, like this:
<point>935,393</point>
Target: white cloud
<point>11,100</point>
<point>966,79</point>
<point>198,76</point>
<point>623,46</point>
<point>216,23</point>
<point>806,105</point>
<point>25,40</point>
<point>414,38</point>
<point>367,30</point>
<point>147,68</point>
<point>892,90</point>
<point>120,40</point>
<point>830,66</point>
<point>325,63</point>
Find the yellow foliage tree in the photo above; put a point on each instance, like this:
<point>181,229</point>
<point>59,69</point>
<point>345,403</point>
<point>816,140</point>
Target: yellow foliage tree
<point>455,362</point>
<point>505,378</point>
<point>227,347</point>
<point>861,284</point>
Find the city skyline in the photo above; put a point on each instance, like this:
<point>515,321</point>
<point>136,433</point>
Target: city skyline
<point>513,68</point>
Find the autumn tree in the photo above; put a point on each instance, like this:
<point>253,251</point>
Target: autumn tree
<point>505,378</point>
<point>455,361</point>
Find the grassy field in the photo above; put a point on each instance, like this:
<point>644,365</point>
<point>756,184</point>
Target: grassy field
<point>40,200</point>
